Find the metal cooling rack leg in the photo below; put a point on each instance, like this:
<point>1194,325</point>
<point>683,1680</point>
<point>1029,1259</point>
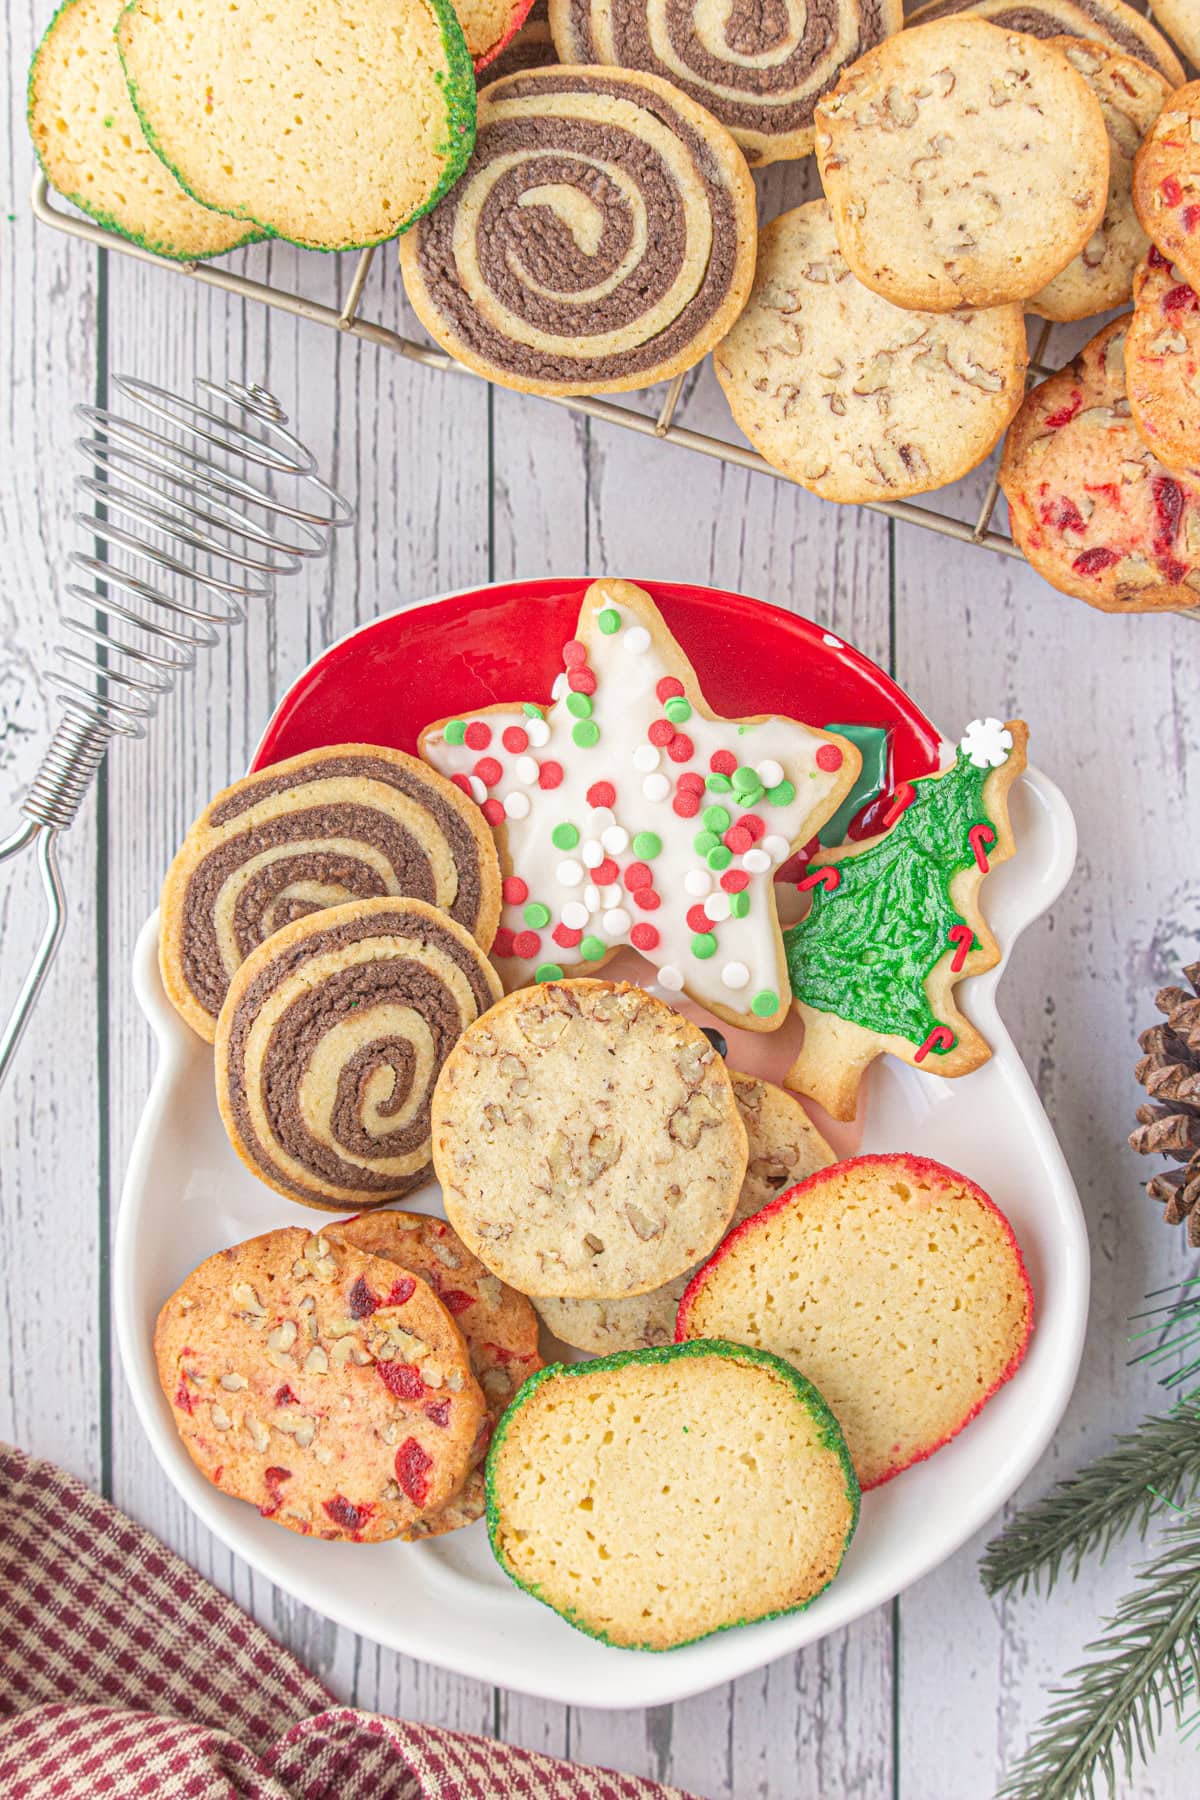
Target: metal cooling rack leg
<point>56,918</point>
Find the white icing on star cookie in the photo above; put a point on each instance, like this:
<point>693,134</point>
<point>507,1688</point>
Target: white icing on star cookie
<point>986,743</point>
<point>628,814</point>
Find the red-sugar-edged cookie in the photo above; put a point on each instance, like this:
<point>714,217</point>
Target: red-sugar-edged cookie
<point>894,1284</point>
<point>488,25</point>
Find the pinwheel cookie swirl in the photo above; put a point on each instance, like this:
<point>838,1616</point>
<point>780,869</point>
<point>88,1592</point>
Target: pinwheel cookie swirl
<point>347,822</point>
<point>601,239</point>
<point>759,69</point>
<point>329,1043</point>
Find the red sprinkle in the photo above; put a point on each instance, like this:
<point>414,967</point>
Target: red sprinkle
<point>698,919</point>
<point>734,880</point>
<point>668,688</point>
<point>401,1292</point>
<point>638,875</point>
<point>455,1301</point>
<point>681,748</point>
<point>902,799</point>
<point>493,812</point>
<point>1094,562</point>
<point>515,891</point>
<point>550,775</point>
<point>644,937</point>
<point>438,1412</point>
<point>343,1512</point>
<point>502,943</point>
<point>566,937</point>
<point>403,1380</point>
<point>962,937</point>
<point>738,839</point>
<point>940,1038</point>
<point>514,739</point>
<point>581,681</point>
<point>753,824</point>
<point>686,804</point>
<point>1065,414</point>
<point>477,736</point>
<point>691,783</point>
<point>574,653</point>
<point>412,1470</point>
<point>722,762</point>
<point>828,878</point>
<point>981,838</point>
<point>526,944</point>
<point>605,873</point>
<point>829,757</point>
<point>461,781</point>
<point>362,1300</point>
<point>1171,191</point>
<point>649,899</point>
<point>601,793</point>
<point>661,732</point>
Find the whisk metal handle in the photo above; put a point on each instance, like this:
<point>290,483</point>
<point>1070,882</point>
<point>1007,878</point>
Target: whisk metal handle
<point>45,839</point>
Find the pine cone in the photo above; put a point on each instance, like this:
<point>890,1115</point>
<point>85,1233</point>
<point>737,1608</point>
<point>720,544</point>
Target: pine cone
<point>1170,1074</point>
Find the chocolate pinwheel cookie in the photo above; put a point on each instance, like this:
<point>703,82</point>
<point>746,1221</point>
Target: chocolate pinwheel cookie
<point>601,239</point>
<point>347,822</point>
<point>1106,21</point>
<point>759,69</point>
<point>329,1043</point>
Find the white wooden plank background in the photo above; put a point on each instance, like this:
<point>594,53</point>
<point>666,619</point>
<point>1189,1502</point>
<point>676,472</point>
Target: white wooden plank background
<point>931,1698</point>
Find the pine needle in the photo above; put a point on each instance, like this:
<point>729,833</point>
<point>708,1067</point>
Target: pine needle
<point>1148,1658</point>
<point>1157,1463</point>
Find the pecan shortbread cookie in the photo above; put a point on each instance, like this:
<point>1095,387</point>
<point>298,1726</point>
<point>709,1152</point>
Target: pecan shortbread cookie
<point>1166,181</point>
<point>499,1326</point>
<point>328,1388</point>
<point>851,396</point>
<point>1131,96</point>
<point>1091,506</point>
<point>1181,20</point>
<point>1162,361</point>
<point>785,1147</point>
<point>587,1140</point>
<point>963,165</point>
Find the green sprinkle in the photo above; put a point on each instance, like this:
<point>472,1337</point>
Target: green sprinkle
<point>764,1003</point>
<point>718,784</point>
<point>580,705</point>
<point>537,915</point>
<point>547,972</point>
<point>739,904</point>
<point>456,731</point>
<point>647,845</point>
<point>704,841</point>
<point>744,779</point>
<point>563,837</point>
<point>586,733</point>
<point>531,711</point>
<point>716,819</point>
<point>704,945</point>
<point>720,858</point>
<point>678,710</point>
<point>783,795</point>
<point>751,796</point>
<point>108,123</point>
<point>609,621</point>
<point>592,949</point>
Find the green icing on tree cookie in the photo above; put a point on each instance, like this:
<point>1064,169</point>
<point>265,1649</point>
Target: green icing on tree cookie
<point>865,951</point>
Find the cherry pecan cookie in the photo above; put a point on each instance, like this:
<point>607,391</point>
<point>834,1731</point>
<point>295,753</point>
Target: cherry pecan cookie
<point>1162,361</point>
<point>1103,21</point>
<point>328,1388</point>
<point>499,1326</point>
<point>963,165</point>
<point>1166,181</point>
<point>1089,503</point>
<point>587,1140</point>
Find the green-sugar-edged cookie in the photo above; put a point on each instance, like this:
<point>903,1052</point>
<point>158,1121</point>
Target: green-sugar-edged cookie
<point>332,123</point>
<point>89,142</point>
<point>656,1496</point>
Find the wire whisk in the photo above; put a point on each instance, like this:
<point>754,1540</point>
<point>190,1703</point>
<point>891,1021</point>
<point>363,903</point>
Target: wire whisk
<point>192,509</point>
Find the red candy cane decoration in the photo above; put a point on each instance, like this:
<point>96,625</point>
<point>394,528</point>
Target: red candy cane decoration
<point>963,938</point>
<point>902,799</point>
<point>941,1038</point>
<point>981,838</point>
<point>828,878</point>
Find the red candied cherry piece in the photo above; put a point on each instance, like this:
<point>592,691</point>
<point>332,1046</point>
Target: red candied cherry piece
<point>461,782</point>
<point>1056,420</point>
<point>515,891</point>
<point>455,1301</point>
<point>644,937</point>
<point>402,1380</point>
<point>477,736</point>
<point>566,937</point>
<point>1156,258</point>
<point>734,880</point>
<point>526,944</point>
<point>581,681</point>
<point>274,1478</point>
<point>601,793</point>
<point>515,739</point>
<point>698,919</point>
<point>638,875</point>
<point>362,1300</point>
<point>1180,297</point>
<point>412,1470</point>
<point>681,748</point>
<point>502,943</point>
<point>1094,562</point>
<point>284,1396</point>
<point>722,762</point>
<point>488,770</point>
<point>550,775</point>
<point>1168,510</point>
<point>1191,217</point>
<point>661,732</point>
<point>738,839</point>
<point>438,1412</point>
<point>1170,190</point>
<point>829,758</point>
<point>669,688</point>
<point>649,899</point>
<point>686,804</point>
<point>1062,515</point>
<point>185,1401</point>
<point>574,653</point>
<point>493,812</point>
<point>605,873</point>
<point>401,1292</point>
<point>343,1512</point>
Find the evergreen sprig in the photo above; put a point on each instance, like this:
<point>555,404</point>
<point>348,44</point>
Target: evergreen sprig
<point>1156,1464</point>
<point>1147,1659</point>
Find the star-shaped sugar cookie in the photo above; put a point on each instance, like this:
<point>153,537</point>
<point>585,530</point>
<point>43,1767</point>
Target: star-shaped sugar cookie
<point>627,812</point>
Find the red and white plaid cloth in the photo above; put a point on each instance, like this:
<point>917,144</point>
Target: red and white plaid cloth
<point>123,1674</point>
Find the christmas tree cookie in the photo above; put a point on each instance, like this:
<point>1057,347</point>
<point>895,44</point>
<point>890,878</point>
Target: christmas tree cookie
<point>895,924</point>
<point>627,812</point>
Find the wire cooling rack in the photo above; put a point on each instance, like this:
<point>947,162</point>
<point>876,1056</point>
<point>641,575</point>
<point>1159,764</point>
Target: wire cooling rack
<point>661,424</point>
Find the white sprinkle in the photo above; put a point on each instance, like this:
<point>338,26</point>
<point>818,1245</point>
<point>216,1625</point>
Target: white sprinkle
<point>656,787</point>
<point>777,848</point>
<point>592,854</point>
<point>538,732</point>
<point>575,915</point>
<point>478,791</point>
<point>525,769</point>
<point>559,687</point>
<point>610,894</point>
<point>617,921</point>
<point>756,861</point>
<point>670,978</point>
<point>591,897</point>
<point>718,906</point>
<point>646,757</point>
<point>735,975</point>
<point>615,839</point>
<point>569,872</point>
<point>517,805</point>
<point>698,882</point>
<point>600,817</point>
<point>636,640</point>
<point>769,773</point>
